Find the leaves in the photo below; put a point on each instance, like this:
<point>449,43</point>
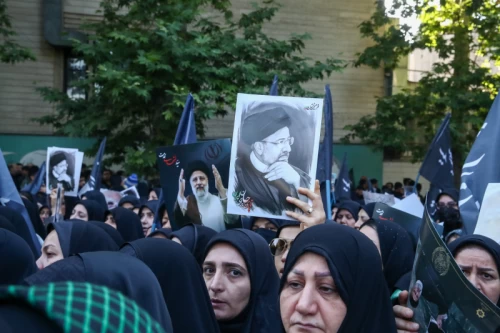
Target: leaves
<point>10,51</point>
<point>145,56</point>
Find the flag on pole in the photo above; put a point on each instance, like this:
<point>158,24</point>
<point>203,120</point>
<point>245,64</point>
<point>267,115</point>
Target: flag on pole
<point>274,87</point>
<point>94,182</point>
<point>36,184</point>
<point>343,184</point>
<point>186,133</point>
<point>9,197</point>
<point>480,168</point>
<point>437,166</point>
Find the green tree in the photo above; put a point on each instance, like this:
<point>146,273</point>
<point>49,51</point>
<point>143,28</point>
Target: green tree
<point>464,33</point>
<point>145,56</point>
<point>10,51</point>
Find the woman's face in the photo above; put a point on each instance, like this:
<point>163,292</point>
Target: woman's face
<point>309,301</point>
<point>152,196</point>
<point>228,281</point>
<point>334,212</point>
<point>371,233</point>
<point>110,220</point>
<point>362,218</point>
<point>480,269</point>
<point>80,213</point>
<point>44,213</point>
<point>165,221</point>
<point>51,251</point>
<point>147,217</point>
<point>288,234</point>
<point>262,223</point>
<point>345,217</point>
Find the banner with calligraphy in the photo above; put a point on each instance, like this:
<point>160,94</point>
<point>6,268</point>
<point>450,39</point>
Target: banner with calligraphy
<point>442,298</point>
<point>194,180</point>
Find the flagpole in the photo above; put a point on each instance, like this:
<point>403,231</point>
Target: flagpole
<point>416,182</point>
<point>328,199</point>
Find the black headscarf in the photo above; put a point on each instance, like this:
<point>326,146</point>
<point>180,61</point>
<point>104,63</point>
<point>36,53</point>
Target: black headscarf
<point>369,208</point>
<point>396,250</point>
<point>267,234</point>
<point>94,210</point>
<point>128,224</point>
<point>163,231</point>
<point>98,197</point>
<point>35,218</point>
<point>114,270</point>
<point>112,232</point>
<point>352,207</point>
<point>44,309</point>
<point>262,312</point>
<point>132,199</point>
<point>484,242</point>
<point>19,223</point>
<point>195,238</point>
<point>17,261</point>
<point>5,224</point>
<point>182,283</point>
<point>76,237</point>
<point>356,268</point>
<point>152,205</point>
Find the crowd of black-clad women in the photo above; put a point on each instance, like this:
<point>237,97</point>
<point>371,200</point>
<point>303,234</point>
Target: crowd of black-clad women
<point>105,271</point>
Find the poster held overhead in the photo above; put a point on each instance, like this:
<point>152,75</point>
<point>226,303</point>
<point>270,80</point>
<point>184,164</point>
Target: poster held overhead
<point>274,152</point>
<point>64,167</point>
<point>194,183</point>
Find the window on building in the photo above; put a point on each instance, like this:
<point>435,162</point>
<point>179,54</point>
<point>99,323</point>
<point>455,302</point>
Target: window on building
<point>75,70</point>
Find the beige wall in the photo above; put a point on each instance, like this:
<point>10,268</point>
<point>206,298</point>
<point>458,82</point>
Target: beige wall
<point>332,24</point>
<point>396,171</point>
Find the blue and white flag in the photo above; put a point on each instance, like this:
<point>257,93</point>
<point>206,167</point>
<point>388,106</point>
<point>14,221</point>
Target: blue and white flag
<point>343,183</point>
<point>94,182</point>
<point>37,183</point>
<point>9,196</point>
<point>274,87</point>
<point>481,168</point>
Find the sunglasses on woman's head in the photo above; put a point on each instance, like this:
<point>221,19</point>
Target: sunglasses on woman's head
<point>278,246</point>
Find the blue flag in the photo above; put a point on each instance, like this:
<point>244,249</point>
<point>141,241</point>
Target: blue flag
<point>36,184</point>
<point>437,167</point>
<point>186,133</point>
<point>94,182</point>
<point>343,184</point>
<point>274,87</point>
<point>186,130</point>
<point>9,196</point>
<point>480,168</point>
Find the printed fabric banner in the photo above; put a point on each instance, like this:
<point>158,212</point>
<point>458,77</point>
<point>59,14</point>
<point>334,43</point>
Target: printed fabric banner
<point>442,298</point>
<point>194,181</point>
<point>274,152</point>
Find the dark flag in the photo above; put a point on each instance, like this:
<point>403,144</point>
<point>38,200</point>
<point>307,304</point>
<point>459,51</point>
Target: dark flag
<point>480,168</point>
<point>437,167</point>
<point>186,130</point>
<point>36,184</point>
<point>274,87</point>
<point>343,183</point>
<point>9,197</point>
<point>94,182</point>
<point>186,133</point>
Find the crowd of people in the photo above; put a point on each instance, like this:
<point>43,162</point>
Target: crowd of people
<point>107,270</point>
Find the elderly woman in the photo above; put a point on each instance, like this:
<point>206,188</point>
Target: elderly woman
<point>333,282</point>
<point>479,258</point>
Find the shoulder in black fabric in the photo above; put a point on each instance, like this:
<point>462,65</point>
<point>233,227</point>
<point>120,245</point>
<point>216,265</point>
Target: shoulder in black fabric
<point>17,261</point>
<point>128,224</point>
<point>181,281</point>
<point>18,222</point>
<point>356,268</point>
<point>195,238</point>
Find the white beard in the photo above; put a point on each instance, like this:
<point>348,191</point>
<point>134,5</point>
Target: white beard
<point>201,195</point>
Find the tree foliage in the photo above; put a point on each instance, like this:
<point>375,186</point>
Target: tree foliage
<point>10,51</point>
<point>145,56</point>
<point>464,81</point>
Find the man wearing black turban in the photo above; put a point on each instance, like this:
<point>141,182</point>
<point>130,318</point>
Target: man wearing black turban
<point>263,173</point>
<point>58,172</point>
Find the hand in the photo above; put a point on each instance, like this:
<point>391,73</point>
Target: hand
<point>404,315</point>
<point>64,178</point>
<point>440,319</point>
<point>317,215</point>
<point>218,183</point>
<point>53,199</point>
<point>283,170</point>
<point>182,187</point>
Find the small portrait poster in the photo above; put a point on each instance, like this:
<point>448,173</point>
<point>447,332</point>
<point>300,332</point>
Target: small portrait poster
<point>274,152</point>
<point>64,167</point>
<point>441,297</point>
<point>194,183</point>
